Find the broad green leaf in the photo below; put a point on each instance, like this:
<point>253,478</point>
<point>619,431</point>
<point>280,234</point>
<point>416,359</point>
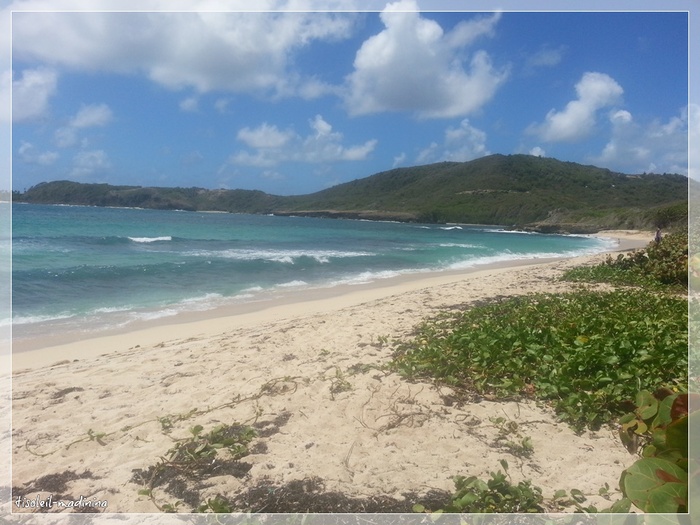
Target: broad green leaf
<point>467,500</point>
<point>627,418</point>
<point>677,434</point>
<point>663,417</point>
<point>578,495</point>
<point>641,427</point>
<point>647,404</point>
<point>621,506</point>
<point>655,485</point>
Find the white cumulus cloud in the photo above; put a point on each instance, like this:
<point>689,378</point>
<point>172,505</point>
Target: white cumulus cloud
<point>621,117</point>
<point>271,146</point>
<point>321,126</point>
<point>87,163</point>
<point>399,159</point>
<point>576,121</point>
<point>30,92</point>
<point>29,154</point>
<point>239,52</point>
<point>460,144</point>
<point>92,115</point>
<point>265,136</point>
<point>659,146</point>
<point>413,65</point>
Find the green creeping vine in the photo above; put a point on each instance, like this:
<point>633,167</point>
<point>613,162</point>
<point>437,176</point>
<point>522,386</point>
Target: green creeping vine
<point>587,353</point>
<point>497,494</point>
<point>194,456</point>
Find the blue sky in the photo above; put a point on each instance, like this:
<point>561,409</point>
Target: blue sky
<point>294,102</point>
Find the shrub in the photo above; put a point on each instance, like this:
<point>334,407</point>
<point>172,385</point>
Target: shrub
<point>659,265</point>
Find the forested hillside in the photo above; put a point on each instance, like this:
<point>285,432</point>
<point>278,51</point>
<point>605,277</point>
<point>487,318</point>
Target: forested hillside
<point>514,190</point>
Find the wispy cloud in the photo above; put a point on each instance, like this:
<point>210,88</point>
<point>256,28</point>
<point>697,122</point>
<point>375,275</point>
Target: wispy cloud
<point>88,116</point>
<point>28,153</point>
<point>544,58</point>
<point>189,105</point>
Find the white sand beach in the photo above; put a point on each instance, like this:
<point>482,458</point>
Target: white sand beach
<point>308,372</point>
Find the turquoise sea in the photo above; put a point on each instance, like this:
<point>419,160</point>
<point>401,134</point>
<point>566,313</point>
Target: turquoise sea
<point>88,268</point>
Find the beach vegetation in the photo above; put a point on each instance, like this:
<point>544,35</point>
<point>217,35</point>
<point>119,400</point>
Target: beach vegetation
<point>362,368</point>
<point>339,383</point>
<point>617,358</point>
<point>661,265</point>
<point>495,495</point>
<point>381,341</point>
<point>202,455</point>
<point>510,439</point>
<point>217,505</point>
<point>658,425</point>
<point>587,353</point>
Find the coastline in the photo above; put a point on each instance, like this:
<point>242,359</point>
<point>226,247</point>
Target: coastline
<point>284,363</point>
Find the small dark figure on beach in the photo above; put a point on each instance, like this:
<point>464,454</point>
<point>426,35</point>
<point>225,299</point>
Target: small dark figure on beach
<point>657,237</point>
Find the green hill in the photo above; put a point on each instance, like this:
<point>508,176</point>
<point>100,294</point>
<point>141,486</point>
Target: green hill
<point>514,190</point>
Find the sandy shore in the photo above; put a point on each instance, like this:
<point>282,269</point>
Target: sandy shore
<point>308,375</point>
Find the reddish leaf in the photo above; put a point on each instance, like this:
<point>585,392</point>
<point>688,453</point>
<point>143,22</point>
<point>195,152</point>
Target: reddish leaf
<point>665,476</point>
<point>680,407</point>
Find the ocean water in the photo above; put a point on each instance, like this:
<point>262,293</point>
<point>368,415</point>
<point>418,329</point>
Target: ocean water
<point>88,269</point>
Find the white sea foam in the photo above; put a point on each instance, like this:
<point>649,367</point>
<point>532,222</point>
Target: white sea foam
<point>111,310</point>
<point>33,319</point>
<point>507,255</point>
<point>368,277</point>
<point>203,299</point>
<point>501,230</point>
<point>252,289</point>
<point>199,303</point>
<point>281,256</point>
<point>151,239</point>
<point>292,284</point>
<point>458,245</point>
<point>152,315</point>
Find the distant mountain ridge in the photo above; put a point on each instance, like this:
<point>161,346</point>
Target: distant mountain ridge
<point>522,191</point>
